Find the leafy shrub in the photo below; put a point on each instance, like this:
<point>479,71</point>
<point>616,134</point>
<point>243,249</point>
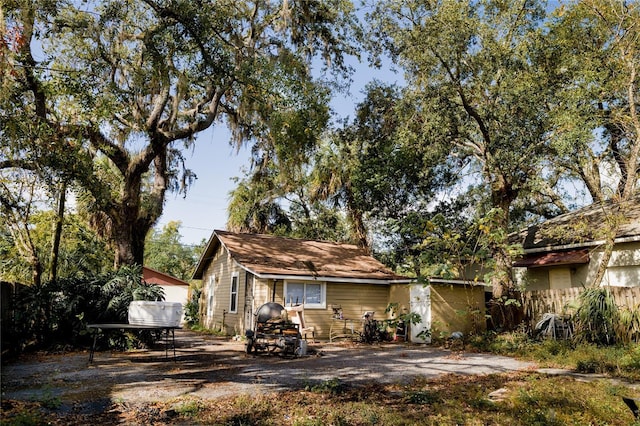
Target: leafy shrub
<point>125,286</point>
<point>192,307</point>
<point>56,313</point>
<point>630,362</point>
<point>589,366</point>
<point>596,316</point>
<point>628,325</point>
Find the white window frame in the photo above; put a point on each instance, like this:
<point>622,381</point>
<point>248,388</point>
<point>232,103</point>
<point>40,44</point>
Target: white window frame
<point>233,297</point>
<point>210,298</point>
<point>323,294</point>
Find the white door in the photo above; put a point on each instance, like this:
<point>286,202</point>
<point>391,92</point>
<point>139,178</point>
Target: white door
<point>211,299</point>
<point>420,303</point>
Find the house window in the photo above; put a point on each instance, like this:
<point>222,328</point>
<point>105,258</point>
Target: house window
<point>233,306</point>
<point>210,301</point>
<point>312,295</point>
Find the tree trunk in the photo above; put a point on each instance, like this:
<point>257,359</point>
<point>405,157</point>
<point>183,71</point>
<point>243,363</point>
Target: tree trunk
<point>504,309</point>
<point>129,242</point>
<point>134,217</point>
<point>129,229</point>
<point>502,279</point>
<point>613,221</point>
<point>57,232</point>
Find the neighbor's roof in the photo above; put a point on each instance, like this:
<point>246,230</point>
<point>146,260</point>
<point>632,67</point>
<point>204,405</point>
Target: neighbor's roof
<point>268,256</point>
<point>585,227</point>
<point>154,276</point>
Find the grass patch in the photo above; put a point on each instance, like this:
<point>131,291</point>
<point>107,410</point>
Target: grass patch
<point>332,386</point>
<point>189,408</point>
<point>203,330</point>
<point>529,399</point>
<point>617,361</point>
<point>422,397</point>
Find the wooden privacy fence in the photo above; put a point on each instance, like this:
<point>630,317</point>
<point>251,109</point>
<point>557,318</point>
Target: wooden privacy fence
<point>537,303</point>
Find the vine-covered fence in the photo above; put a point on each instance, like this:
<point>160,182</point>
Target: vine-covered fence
<point>537,303</point>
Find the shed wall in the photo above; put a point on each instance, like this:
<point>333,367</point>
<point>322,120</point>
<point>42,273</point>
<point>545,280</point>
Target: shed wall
<point>457,308</point>
<point>399,293</point>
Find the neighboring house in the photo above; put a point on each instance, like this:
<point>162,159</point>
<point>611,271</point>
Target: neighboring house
<point>565,251</point>
<point>175,290</point>
<point>241,272</point>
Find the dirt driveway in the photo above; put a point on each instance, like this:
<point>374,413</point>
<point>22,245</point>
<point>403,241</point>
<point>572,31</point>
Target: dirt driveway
<point>208,367</point>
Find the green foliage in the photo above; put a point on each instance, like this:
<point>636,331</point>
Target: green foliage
<point>135,82</point>
<point>422,397</point>
<point>628,325</point>
<point>472,67</point>
<point>618,361</point>
<point>82,253</point>
<point>192,307</point>
<point>332,386</point>
<point>274,199</point>
<point>253,206</point>
<point>596,48</point>
<point>165,252</point>
<point>190,408</point>
<point>56,314</point>
<point>433,240</point>
<point>596,316</point>
<point>205,330</point>
<point>50,402</point>
<point>125,286</point>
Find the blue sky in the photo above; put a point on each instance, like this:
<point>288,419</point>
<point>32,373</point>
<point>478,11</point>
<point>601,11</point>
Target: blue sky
<point>216,163</point>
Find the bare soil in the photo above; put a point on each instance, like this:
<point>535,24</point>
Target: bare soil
<point>209,367</point>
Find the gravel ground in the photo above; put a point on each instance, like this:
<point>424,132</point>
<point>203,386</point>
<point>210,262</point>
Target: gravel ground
<point>208,367</point>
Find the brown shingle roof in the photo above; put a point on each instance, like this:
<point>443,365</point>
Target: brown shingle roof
<point>268,255</point>
<point>583,227</point>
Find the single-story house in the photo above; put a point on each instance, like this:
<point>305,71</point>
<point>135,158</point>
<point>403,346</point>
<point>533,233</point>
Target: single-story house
<point>175,290</point>
<point>241,272</point>
<point>565,251</point>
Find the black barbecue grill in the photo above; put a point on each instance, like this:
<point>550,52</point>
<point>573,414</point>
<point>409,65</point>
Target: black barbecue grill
<point>273,332</point>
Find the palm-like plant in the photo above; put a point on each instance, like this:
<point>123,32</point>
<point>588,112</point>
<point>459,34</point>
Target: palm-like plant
<point>596,316</point>
<point>331,181</point>
<point>126,286</point>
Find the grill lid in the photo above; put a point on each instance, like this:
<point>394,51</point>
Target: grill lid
<point>268,311</point>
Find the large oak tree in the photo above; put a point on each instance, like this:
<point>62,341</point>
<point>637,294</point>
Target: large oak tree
<point>597,111</point>
<point>108,94</point>
<point>476,79</point>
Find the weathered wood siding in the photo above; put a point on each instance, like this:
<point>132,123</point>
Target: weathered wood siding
<point>537,303</point>
<point>263,292</point>
<point>457,308</point>
<point>223,268</point>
